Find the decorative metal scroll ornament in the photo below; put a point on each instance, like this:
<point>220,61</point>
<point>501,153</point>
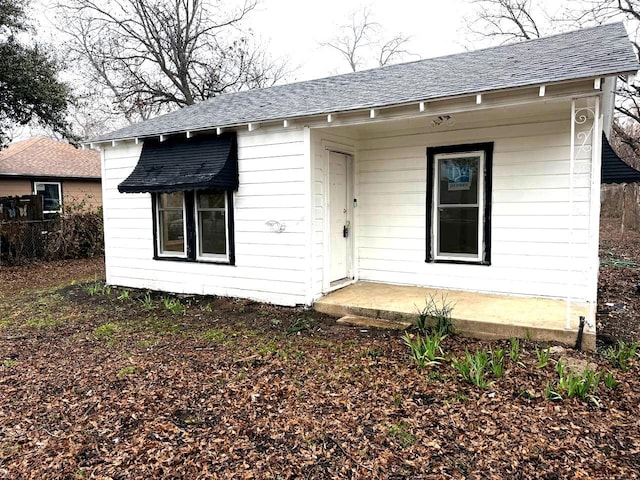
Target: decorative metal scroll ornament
<point>584,140</point>
<point>581,117</point>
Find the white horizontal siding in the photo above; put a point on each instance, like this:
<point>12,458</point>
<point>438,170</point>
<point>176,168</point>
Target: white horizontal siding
<point>271,189</point>
<point>530,207</point>
<point>269,266</point>
<point>277,200</point>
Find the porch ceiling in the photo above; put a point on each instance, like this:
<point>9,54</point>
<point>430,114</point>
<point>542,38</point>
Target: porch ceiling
<point>437,121</point>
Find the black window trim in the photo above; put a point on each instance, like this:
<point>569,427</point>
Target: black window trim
<point>487,147</point>
<point>191,240</point>
<point>157,241</point>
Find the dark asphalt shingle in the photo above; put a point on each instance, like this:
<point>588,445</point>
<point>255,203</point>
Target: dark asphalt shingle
<point>613,169</point>
<point>597,51</point>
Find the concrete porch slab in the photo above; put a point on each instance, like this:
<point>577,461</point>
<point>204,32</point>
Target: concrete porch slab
<point>478,315</point>
<point>368,322</point>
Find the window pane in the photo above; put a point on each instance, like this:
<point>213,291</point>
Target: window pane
<point>211,200</point>
<point>212,228</point>
<point>172,231</point>
<point>458,230</point>
<point>50,194</point>
<point>171,200</point>
<point>459,180</point>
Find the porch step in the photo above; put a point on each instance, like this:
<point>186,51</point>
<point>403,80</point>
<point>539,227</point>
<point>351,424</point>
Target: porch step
<point>368,322</point>
<point>479,315</point>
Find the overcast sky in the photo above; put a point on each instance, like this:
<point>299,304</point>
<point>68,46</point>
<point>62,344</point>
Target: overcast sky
<point>296,28</point>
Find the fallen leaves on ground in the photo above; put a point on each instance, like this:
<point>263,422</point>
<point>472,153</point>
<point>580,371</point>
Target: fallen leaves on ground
<point>14,279</point>
<point>618,283</point>
<point>98,383</point>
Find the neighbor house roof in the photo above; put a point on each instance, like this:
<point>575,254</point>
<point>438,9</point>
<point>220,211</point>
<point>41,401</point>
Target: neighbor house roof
<point>588,53</point>
<point>44,157</point>
<point>614,169</point>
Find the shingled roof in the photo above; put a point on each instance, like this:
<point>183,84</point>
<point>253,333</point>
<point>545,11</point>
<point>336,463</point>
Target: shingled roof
<point>613,168</point>
<point>592,52</point>
<point>44,157</point>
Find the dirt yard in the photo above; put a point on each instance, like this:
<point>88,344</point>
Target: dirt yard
<point>619,284</point>
<point>106,383</point>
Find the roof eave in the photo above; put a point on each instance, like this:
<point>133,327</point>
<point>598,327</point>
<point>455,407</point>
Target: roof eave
<point>244,123</point>
<point>49,176</point>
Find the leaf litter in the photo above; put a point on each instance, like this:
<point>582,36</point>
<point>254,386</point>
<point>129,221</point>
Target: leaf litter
<point>226,390</point>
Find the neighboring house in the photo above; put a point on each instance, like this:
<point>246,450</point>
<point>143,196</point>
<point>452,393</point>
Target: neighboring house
<point>614,169</point>
<point>58,171</point>
<point>478,172</point>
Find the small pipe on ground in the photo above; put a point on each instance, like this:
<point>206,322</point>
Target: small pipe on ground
<point>580,332</point>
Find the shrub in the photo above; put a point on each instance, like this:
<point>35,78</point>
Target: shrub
<point>129,370</point>
<point>299,324</point>
<point>402,433</point>
<point>543,356</point>
<point>107,330</point>
<point>215,335</point>
<point>514,353</point>
<point>473,367</point>
<point>124,295</point>
<point>580,385</point>
<point>610,381</point>
<point>572,384</point>
<point>435,316</point>
<point>497,362</point>
<point>425,349</point>
<point>77,233</point>
<point>622,354</point>
<point>20,240</point>
<point>98,288</point>
<point>174,306</point>
<point>147,302</point>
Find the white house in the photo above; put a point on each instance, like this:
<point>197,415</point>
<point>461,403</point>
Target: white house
<point>475,172</point>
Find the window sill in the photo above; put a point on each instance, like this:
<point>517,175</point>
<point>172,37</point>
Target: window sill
<point>223,260</point>
<point>459,262</point>
<point>194,260</point>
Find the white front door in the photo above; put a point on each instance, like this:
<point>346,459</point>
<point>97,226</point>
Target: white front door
<point>340,233</point>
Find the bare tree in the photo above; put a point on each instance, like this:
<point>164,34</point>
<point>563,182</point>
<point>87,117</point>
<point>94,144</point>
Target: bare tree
<point>360,42</point>
<point>504,21</point>
<point>626,127</point>
<point>151,56</point>
<point>515,20</point>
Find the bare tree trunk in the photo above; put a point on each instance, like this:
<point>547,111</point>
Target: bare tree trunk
<point>622,218</point>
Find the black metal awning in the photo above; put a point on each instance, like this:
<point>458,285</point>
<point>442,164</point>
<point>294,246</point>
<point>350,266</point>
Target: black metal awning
<point>179,164</point>
<point>614,169</point>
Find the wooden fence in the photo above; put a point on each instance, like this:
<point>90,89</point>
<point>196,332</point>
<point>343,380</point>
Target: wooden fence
<point>23,228</point>
<point>26,207</point>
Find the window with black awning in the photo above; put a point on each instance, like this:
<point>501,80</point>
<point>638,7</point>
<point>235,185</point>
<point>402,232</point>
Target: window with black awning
<point>203,162</point>
<point>192,183</point>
